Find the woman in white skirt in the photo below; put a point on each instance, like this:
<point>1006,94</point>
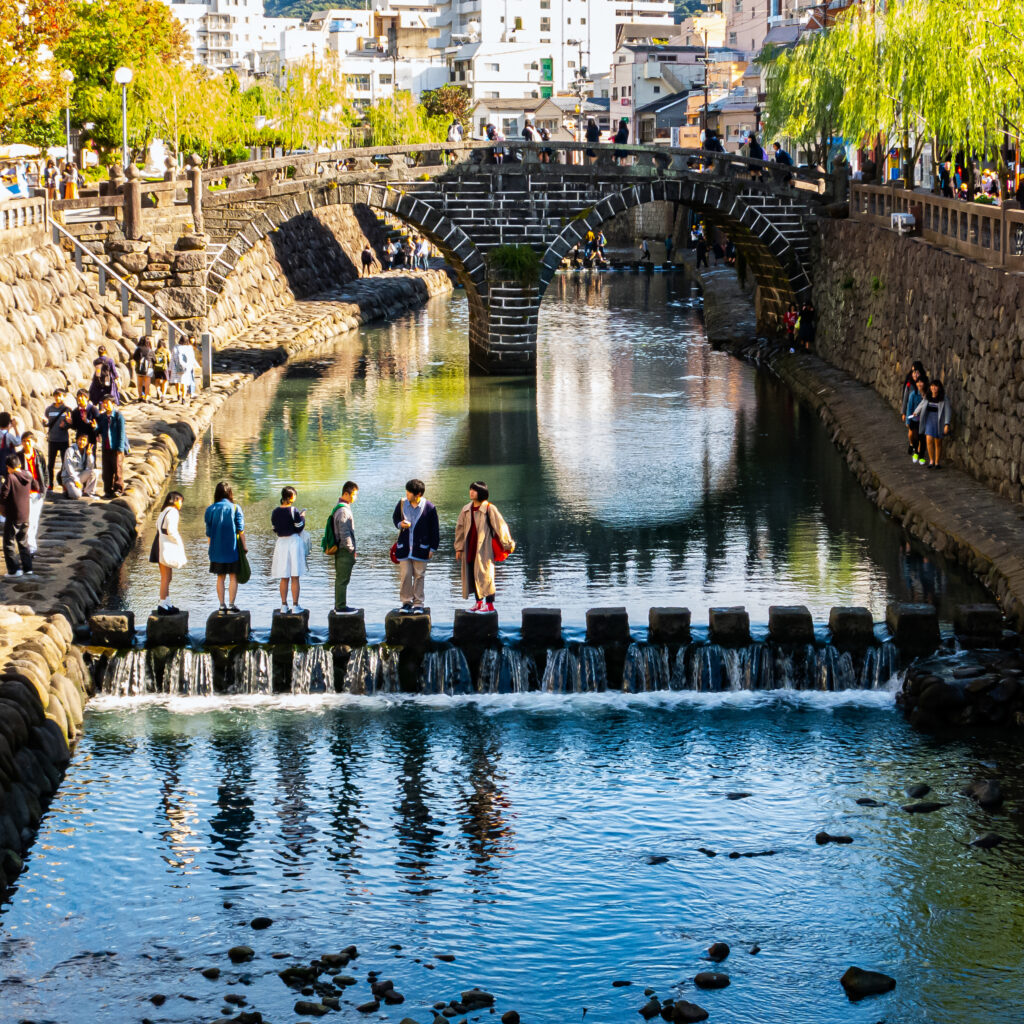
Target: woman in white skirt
<point>168,550</point>
<point>290,548</point>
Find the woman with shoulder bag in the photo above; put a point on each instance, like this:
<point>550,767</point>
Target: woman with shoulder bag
<point>289,562</point>
<point>225,527</point>
<point>481,539</point>
<point>168,550</point>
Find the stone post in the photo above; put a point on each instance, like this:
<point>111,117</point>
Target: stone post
<point>195,192</point>
<point>111,187</point>
<point>207,353</point>
<point>132,191</point>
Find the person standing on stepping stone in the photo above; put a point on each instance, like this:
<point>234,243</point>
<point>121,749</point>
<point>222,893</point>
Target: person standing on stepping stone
<point>168,550</point>
<point>479,527</point>
<point>342,532</point>
<point>225,526</point>
<point>289,523</point>
<point>418,539</point>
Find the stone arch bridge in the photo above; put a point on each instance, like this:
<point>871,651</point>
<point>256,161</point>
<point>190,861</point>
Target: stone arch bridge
<point>546,196</point>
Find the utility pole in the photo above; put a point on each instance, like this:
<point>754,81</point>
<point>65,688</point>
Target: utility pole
<point>705,62</point>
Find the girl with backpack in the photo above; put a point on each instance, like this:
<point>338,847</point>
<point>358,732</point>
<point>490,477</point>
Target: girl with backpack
<point>142,360</point>
<point>161,366</point>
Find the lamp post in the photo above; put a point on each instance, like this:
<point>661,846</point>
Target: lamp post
<point>123,76</point>
<point>67,77</point>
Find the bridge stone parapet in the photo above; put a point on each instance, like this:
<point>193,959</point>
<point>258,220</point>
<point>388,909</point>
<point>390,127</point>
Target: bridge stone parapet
<point>467,205</point>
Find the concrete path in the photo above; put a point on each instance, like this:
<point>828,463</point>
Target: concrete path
<point>946,508</point>
<point>83,543</point>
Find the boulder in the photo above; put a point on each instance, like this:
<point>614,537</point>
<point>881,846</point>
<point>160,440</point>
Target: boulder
<point>113,629</point>
<point>858,983</point>
<point>978,625</point>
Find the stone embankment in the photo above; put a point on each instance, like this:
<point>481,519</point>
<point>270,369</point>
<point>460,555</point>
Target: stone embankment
<point>949,510</point>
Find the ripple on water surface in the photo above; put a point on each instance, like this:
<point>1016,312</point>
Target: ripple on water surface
<point>551,844</point>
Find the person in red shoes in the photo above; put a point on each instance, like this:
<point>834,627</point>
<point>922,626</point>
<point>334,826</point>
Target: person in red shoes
<point>479,525</point>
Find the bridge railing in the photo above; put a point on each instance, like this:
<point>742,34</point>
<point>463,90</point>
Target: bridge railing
<point>990,234</point>
<point>221,184</point>
<point>22,224</point>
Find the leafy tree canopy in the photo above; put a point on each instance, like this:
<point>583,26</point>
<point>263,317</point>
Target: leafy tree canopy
<point>450,102</point>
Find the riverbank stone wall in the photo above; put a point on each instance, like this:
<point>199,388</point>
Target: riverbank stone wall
<point>309,254</point>
<point>884,301</point>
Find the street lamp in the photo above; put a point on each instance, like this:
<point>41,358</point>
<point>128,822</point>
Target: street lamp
<point>123,76</point>
<point>67,77</point>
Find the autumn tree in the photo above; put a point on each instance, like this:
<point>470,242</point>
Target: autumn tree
<point>31,92</point>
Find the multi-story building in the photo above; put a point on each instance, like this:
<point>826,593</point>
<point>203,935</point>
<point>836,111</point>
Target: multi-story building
<point>492,45</point>
<point>749,24</point>
<point>224,33</point>
<point>643,73</point>
<point>409,25</point>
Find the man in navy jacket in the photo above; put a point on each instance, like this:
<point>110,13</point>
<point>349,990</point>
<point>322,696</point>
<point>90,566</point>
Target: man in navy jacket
<point>114,436</point>
<point>419,537</point>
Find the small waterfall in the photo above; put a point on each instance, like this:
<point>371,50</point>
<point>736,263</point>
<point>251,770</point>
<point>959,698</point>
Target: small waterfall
<point>582,670</point>
<point>504,670</point>
<point>189,674</point>
<point>129,675</point>
<point>794,668</point>
<point>881,663</point>
<point>710,668</point>
<point>703,666</point>
<point>313,671</point>
<point>446,672</point>
<point>251,672</point>
<point>755,669</point>
<point>562,672</point>
<point>646,668</point>
<point>835,671</point>
<point>371,670</point>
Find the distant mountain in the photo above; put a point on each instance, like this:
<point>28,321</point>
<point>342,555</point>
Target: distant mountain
<point>304,8</point>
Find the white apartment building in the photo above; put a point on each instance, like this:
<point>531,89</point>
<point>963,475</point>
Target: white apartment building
<point>495,47</point>
<point>224,33</point>
<point>643,73</point>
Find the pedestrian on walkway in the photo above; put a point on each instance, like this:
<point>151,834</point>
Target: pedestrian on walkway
<point>645,251</point>
<point>668,249</point>
<point>367,260</point>
<point>161,368</point>
<point>479,525</point>
<point>915,435</point>
<point>34,465</point>
<point>15,505</point>
<point>78,470</point>
<point>702,250</point>
<point>183,365</point>
<point>112,373</point>
<point>113,433</point>
<point>935,416</point>
<point>10,441</point>
<point>789,319</point>
<point>592,133</point>
<point>289,523</point>
<point>168,550</point>
<point>339,542</point>
<point>58,423</point>
<point>419,537</point>
<point>101,385</point>
<point>225,528</point>
<point>142,360</point>
<point>807,325</point>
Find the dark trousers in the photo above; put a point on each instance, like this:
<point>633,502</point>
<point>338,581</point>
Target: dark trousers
<point>344,562</point>
<point>113,472</point>
<point>55,448</point>
<point>16,553</point>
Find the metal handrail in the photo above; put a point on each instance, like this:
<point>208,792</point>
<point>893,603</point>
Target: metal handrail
<point>104,269</point>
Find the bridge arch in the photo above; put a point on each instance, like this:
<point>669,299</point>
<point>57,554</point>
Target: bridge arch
<point>772,258</point>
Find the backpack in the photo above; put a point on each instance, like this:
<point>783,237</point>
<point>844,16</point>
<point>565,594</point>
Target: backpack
<point>160,359</point>
<point>329,543</point>
<point>180,360</point>
<point>7,448</point>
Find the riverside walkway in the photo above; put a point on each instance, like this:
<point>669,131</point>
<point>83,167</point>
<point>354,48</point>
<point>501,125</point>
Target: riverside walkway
<point>949,510</point>
<point>82,544</point>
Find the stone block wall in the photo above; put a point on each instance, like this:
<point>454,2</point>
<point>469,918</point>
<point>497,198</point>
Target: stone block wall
<point>51,324</point>
<point>884,301</point>
<point>310,253</point>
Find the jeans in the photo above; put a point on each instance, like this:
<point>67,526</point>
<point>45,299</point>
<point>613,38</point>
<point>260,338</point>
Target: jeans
<point>344,560</point>
<point>16,547</point>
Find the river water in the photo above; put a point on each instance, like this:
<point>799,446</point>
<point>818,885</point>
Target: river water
<point>641,469</point>
<point>541,846</point>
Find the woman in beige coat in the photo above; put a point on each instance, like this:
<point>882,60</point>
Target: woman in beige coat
<point>478,522</point>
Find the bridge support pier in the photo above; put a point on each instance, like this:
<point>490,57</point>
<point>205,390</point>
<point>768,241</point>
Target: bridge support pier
<point>503,330</point>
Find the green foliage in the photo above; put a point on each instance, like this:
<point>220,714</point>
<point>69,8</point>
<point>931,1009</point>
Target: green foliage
<point>882,74</point>
<point>402,121</point>
<point>451,102</point>
<point>517,263</point>
<point>687,8</point>
<point>847,282</point>
<point>304,8</point>
<point>876,283</point>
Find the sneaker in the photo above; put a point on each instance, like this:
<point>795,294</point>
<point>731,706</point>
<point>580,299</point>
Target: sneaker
<point>407,607</point>
<point>418,610</point>
<point>223,609</point>
<point>489,607</point>
<point>19,573</point>
<point>297,610</point>
<point>167,610</point>
<point>28,572</point>
<point>478,607</point>
<point>913,458</point>
<point>233,608</point>
<point>284,609</point>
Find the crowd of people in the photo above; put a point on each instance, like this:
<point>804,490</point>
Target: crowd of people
<point>86,440</point>
<point>413,253</point>
<point>928,416</point>
<point>482,539</point>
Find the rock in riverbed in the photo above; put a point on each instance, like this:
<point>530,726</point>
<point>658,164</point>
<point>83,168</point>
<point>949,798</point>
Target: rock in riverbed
<point>687,1013</point>
<point>918,790</point>
<point>259,923</point>
<point>986,793</point>
<point>718,951</point>
<point>824,837</point>
<point>989,841</point>
<point>711,979</point>
<point>241,954</point>
<point>924,807</point>
<point>858,983</point>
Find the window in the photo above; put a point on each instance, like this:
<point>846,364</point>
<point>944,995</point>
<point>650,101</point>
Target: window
<point>583,21</point>
<point>545,24</point>
<point>570,63</point>
<point>518,24</point>
<point>657,89</point>
<point>492,67</point>
<point>385,79</point>
<point>545,5</point>
<point>737,6</point>
<point>732,38</point>
<point>615,92</point>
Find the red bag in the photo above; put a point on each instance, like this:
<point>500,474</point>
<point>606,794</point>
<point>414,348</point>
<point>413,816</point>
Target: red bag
<point>499,553</point>
<point>394,552</point>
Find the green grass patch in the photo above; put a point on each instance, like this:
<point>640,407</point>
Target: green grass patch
<point>517,263</point>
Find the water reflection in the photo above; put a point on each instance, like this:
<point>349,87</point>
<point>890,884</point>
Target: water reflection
<point>641,468</point>
<point>347,830</point>
<point>233,823</point>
